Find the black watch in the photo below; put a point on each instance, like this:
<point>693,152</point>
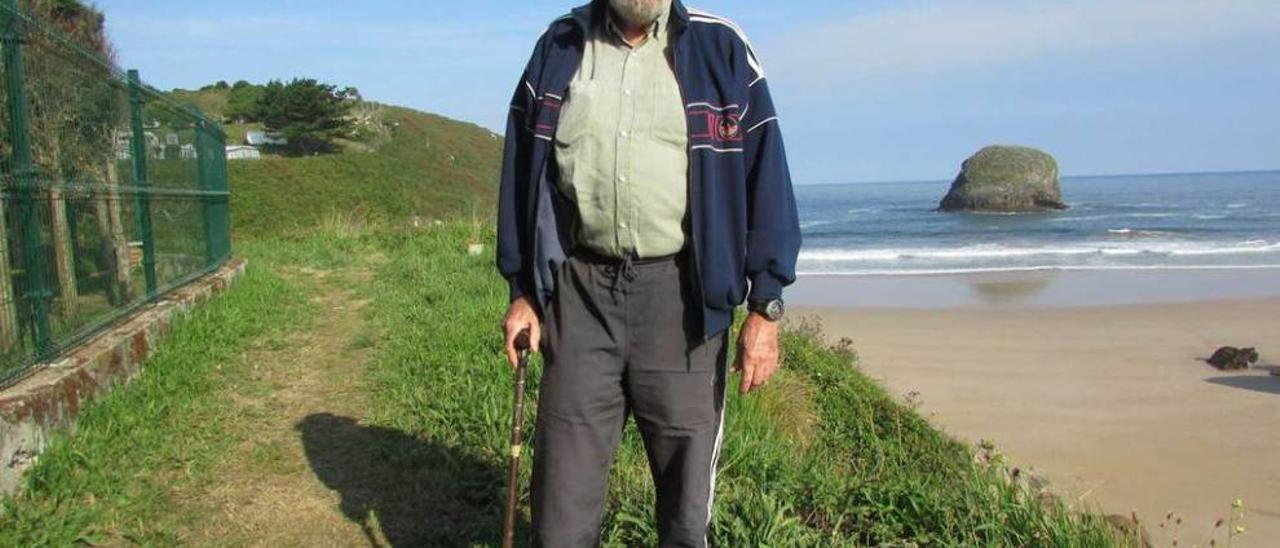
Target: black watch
<point>771,309</point>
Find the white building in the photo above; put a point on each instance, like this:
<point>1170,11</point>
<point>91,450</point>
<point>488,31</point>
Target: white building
<point>124,145</point>
<point>260,138</point>
<point>243,152</point>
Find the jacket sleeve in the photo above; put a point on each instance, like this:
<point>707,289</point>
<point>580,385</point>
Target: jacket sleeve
<point>773,226</point>
<point>514,237</point>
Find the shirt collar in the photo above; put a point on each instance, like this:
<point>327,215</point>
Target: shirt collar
<point>656,30</point>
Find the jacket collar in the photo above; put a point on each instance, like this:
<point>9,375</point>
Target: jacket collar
<point>582,14</point>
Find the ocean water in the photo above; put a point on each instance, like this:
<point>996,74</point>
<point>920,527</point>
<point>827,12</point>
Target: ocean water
<point>1178,221</point>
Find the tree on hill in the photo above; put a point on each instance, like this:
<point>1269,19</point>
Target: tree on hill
<point>310,114</point>
<point>243,102</point>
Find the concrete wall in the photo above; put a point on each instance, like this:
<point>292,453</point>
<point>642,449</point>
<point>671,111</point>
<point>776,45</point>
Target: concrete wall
<point>49,399</point>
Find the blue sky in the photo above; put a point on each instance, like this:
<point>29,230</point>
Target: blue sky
<point>874,90</point>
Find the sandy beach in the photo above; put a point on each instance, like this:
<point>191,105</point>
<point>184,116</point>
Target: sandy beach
<point>1104,394</point>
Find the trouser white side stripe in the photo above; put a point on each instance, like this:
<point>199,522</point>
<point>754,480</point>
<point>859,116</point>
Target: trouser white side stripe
<point>715,452</point>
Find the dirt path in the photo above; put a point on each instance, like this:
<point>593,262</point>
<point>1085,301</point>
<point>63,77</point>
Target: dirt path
<point>305,471</point>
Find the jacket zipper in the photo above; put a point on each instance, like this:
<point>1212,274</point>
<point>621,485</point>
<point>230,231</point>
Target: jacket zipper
<point>699,298</point>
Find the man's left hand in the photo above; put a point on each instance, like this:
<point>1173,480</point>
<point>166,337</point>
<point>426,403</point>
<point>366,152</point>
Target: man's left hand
<point>757,352</point>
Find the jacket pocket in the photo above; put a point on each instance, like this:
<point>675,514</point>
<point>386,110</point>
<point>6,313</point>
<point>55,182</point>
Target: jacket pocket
<point>726,286</point>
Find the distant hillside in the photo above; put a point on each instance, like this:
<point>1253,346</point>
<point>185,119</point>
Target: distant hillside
<point>406,165</point>
<point>430,167</point>
<point>211,100</point>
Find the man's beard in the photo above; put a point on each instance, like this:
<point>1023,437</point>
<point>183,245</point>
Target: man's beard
<point>638,13</point>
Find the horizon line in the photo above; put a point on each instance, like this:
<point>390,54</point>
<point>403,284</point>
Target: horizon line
<point>1087,176</point>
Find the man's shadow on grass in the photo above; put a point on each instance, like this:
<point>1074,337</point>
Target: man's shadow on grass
<point>404,491</point>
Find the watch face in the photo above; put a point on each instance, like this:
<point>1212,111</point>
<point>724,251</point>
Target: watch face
<point>773,310</point>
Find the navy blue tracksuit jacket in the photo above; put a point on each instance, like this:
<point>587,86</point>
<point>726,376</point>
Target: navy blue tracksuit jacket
<point>743,228</point>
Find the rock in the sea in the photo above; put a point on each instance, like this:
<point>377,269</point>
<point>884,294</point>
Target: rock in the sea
<point>1230,358</point>
<point>1006,179</point>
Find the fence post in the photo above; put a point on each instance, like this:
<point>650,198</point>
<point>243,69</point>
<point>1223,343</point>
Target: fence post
<point>205,169</point>
<point>140,180</point>
<point>36,293</point>
<point>222,207</point>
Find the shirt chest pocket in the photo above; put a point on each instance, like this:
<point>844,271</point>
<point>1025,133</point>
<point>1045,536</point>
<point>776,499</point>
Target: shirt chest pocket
<point>667,122</point>
<point>576,120</point>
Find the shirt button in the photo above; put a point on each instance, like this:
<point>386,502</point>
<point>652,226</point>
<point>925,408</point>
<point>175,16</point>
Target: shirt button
<point>626,92</point>
<point>622,178</point>
<point>623,134</point>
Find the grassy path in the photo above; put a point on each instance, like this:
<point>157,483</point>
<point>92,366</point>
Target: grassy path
<point>243,430</point>
<point>119,480</point>
<point>297,403</point>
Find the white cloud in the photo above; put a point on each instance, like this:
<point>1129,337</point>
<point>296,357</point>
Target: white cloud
<point>942,38</point>
<point>292,32</point>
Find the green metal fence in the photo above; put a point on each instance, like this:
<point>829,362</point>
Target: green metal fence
<point>113,193</point>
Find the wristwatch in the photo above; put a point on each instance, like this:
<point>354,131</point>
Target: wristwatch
<point>771,309</point>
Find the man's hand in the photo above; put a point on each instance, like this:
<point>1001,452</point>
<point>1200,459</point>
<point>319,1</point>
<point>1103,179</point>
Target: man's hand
<point>520,316</point>
<point>757,352</point>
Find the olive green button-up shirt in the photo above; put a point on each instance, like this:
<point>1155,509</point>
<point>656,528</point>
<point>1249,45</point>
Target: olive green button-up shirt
<point>621,145</point>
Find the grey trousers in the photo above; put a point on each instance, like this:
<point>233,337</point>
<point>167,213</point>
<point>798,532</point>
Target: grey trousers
<point>617,340</point>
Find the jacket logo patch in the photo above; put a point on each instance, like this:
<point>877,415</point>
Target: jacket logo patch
<point>727,128</point>
<point>715,124</point>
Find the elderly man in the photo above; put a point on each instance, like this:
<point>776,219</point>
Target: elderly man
<point>645,194</point>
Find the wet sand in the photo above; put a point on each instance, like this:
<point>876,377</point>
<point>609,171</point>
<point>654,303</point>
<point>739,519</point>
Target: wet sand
<point>1110,401</point>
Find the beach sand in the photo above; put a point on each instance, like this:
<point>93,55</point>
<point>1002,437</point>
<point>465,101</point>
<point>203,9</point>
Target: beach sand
<point>1111,403</point>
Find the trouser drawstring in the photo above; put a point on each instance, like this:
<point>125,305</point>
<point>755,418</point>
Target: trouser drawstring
<point>625,269</point>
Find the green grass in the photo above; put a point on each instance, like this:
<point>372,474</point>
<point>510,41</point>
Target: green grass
<point>822,455</point>
<point>113,478</point>
<point>211,101</point>
<point>414,167</point>
<point>430,168</point>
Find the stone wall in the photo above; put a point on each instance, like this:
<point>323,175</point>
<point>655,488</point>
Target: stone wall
<point>49,398</point>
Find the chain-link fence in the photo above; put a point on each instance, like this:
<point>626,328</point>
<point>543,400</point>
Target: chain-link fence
<point>113,193</point>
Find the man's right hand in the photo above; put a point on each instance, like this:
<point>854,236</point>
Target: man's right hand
<point>521,315</point>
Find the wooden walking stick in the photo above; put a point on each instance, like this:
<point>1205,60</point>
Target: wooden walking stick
<point>517,432</point>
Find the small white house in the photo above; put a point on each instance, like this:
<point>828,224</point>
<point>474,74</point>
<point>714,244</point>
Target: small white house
<point>124,145</point>
<point>261,138</point>
<point>243,152</point>
<point>187,152</point>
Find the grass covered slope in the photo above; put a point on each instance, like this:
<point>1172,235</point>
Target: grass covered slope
<point>428,167</point>
<point>822,455</point>
<point>398,165</point>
